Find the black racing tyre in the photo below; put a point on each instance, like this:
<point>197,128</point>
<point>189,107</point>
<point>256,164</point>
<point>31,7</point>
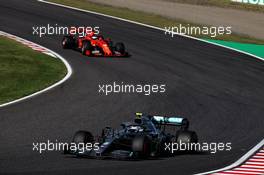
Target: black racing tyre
<point>186,137</point>
<point>83,137</point>
<point>67,42</point>
<point>120,47</point>
<point>86,47</point>
<point>141,146</point>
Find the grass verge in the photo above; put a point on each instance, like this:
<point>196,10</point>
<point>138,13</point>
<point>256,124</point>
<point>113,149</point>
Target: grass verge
<point>24,71</point>
<point>151,19</point>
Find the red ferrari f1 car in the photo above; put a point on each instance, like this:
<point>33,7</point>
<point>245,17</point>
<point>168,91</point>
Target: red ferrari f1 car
<point>94,45</point>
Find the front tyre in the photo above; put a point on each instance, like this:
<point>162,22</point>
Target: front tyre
<point>141,146</point>
<point>120,47</point>
<point>67,42</point>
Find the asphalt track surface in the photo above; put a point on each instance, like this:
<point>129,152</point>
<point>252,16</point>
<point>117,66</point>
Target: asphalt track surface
<point>219,90</point>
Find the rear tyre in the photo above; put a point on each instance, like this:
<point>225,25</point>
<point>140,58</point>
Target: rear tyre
<point>185,140</point>
<point>86,48</point>
<point>120,47</point>
<point>67,42</point>
<point>187,137</point>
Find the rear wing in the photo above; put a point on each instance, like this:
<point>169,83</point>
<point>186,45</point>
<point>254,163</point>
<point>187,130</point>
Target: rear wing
<point>164,120</point>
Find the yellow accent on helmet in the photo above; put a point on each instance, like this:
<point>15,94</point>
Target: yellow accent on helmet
<point>138,114</point>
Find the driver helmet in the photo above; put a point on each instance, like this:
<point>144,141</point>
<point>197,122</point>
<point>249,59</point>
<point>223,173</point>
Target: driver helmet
<point>94,37</point>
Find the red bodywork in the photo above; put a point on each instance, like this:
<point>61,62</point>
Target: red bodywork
<point>99,42</point>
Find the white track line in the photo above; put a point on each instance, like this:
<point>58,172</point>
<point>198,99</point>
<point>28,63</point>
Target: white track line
<point>44,50</point>
<point>238,162</point>
<point>251,166</point>
<point>248,154</point>
<point>256,160</point>
<point>248,169</point>
<point>255,163</point>
<point>260,154</point>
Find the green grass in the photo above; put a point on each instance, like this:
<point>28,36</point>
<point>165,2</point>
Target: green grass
<point>24,71</point>
<point>223,4</point>
<point>151,19</point>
